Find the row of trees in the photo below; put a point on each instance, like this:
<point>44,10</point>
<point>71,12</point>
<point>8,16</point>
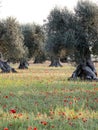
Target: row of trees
<point>20,41</point>
<point>64,34</point>
<point>74,34</point>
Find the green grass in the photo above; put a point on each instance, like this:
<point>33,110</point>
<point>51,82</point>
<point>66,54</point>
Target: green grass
<point>43,99</point>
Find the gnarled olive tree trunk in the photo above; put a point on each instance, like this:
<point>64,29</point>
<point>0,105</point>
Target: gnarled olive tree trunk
<point>6,68</point>
<point>85,69</point>
<point>23,64</point>
<point>55,62</point>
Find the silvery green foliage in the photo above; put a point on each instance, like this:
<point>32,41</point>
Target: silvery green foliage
<point>60,34</point>
<point>12,40</point>
<point>33,39</point>
<point>86,29</point>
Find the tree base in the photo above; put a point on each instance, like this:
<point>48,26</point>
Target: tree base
<point>85,71</point>
<point>23,65</point>
<point>55,65</point>
<point>6,68</point>
<point>55,62</point>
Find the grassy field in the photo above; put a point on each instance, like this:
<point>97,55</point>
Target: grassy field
<point>41,98</point>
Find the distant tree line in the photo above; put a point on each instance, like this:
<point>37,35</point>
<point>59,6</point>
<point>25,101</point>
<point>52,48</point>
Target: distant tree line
<point>64,34</point>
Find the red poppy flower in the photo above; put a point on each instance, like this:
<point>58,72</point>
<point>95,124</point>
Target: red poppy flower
<point>44,122</point>
<point>35,128</point>
<point>6,129</point>
<point>12,111</point>
<point>6,96</point>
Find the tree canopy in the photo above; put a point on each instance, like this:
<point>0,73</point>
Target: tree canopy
<point>33,39</point>
<point>86,29</point>
<point>60,35</point>
<point>11,40</point>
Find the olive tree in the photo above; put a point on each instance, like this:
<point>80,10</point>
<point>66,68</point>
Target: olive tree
<point>11,40</point>
<point>60,35</point>
<point>34,40</point>
<point>86,35</point>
